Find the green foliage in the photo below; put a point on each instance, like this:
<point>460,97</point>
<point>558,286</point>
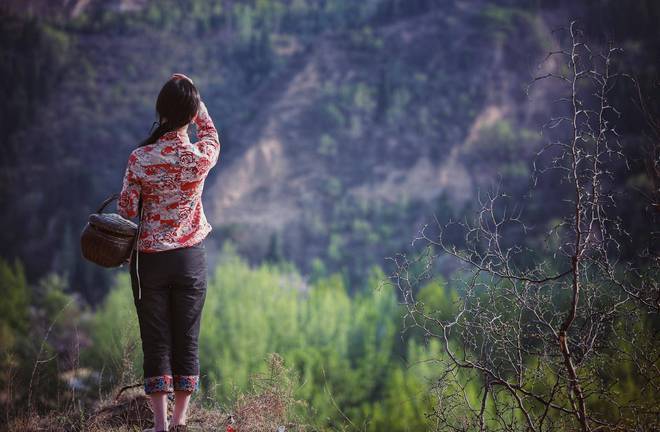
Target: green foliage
<point>500,19</point>
<point>364,97</point>
<point>327,146</point>
<point>365,38</point>
<point>398,104</point>
<point>516,28</point>
<point>502,22</point>
<point>334,115</point>
<point>54,302</point>
<point>503,143</point>
<point>115,334</point>
<point>15,302</point>
<point>405,406</point>
<point>38,326</point>
<point>244,16</point>
<point>334,247</point>
<point>627,371</point>
<point>334,187</point>
<point>356,128</point>
<point>342,347</point>
<point>439,300</point>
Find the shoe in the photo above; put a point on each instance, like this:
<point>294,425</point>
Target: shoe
<point>178,428</point>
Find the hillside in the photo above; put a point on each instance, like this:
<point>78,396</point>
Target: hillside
<point>347,125</point>
<point>343,129</point>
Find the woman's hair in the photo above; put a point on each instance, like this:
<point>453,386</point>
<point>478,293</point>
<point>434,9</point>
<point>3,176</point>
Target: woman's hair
<point>178,102</point>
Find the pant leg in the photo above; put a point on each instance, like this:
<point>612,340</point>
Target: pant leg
<point>188,294</point>
<point>153,311</point>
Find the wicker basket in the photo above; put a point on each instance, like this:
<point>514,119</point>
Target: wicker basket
<point>108,239</point>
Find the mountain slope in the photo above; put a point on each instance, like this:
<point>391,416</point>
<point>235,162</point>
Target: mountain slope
<point>340,114</point>
<point>344,128</point>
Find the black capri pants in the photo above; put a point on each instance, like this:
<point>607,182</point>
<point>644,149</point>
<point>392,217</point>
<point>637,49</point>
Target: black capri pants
<point>169,313</point>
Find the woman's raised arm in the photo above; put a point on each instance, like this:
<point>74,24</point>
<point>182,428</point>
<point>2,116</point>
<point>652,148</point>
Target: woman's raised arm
<point>207,135</point>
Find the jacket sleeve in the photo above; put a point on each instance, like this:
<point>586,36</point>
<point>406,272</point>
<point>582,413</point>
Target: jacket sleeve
<point>207,135</point>
<point>127,204</point>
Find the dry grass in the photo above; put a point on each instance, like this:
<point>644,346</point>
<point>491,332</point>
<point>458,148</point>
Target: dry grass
<point>267,405</point>
<point>270,403</point>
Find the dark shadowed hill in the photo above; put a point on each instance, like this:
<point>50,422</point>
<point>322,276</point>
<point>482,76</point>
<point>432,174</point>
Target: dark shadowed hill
<point>344,125</point>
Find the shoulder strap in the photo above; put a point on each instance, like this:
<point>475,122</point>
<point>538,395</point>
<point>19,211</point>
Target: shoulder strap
<point>137,235</point>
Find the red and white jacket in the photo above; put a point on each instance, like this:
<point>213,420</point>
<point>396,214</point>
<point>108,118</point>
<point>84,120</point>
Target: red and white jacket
<point>170,175</point>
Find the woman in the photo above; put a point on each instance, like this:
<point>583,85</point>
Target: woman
<point>164,180</point>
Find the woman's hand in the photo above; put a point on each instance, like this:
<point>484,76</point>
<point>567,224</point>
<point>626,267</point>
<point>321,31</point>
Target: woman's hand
<point>181,76</point>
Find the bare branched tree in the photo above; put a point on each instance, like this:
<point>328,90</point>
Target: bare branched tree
<point>564,338</point>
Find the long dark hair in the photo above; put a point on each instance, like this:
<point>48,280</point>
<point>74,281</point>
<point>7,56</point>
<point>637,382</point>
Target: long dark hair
<point>177,103</point>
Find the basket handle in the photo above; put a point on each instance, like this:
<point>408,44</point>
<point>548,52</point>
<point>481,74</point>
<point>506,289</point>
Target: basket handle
<point>107,201</point>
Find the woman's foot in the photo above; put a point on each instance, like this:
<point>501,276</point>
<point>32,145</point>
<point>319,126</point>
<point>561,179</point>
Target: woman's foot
<point>178,428</point>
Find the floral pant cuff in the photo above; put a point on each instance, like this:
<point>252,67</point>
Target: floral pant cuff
<point>169,383</point>
<point>188,383</point>
<point>157,384</point>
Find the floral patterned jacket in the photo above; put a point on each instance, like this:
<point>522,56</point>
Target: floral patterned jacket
<point>169,175</point>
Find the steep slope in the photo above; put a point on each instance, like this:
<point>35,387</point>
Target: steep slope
<point>69,8</point>
<point>339,117</point>
<point>339,147</point>
<point>343,129</point>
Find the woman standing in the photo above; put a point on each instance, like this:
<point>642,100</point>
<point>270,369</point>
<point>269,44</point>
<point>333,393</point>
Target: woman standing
<point>163,181</point>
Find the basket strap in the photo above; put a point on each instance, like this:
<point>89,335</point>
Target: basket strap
<point>135,248</point>
<point>107,201</point>
<point>137,235</point>
<point>136,238</point>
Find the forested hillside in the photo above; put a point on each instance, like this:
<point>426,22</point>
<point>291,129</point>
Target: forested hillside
<point>345,125</point>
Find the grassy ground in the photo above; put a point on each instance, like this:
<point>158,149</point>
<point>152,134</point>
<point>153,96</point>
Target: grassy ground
<point>266,406</point>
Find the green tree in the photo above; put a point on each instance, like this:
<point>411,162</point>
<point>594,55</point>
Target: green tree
<point>14,307</point>
<point>115,332</point>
